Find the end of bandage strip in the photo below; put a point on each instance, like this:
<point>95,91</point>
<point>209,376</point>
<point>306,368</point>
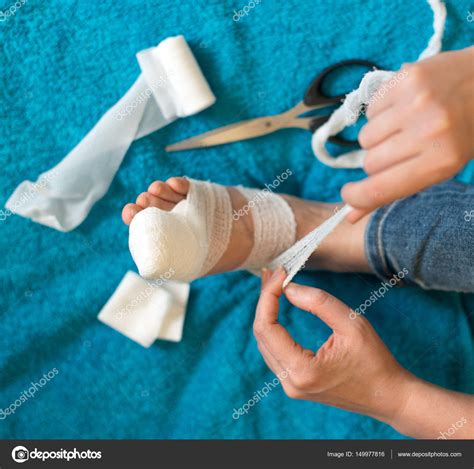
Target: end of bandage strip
<point>293,259</point>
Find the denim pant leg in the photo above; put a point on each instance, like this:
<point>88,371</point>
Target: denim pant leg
<point>430,235</point>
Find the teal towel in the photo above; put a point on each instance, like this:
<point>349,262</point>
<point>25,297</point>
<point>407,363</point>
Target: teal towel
<point>63,65</point>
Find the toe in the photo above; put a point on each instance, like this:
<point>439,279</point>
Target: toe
<point>145,199</point>
<point>179,185</point>
<point>164,191</point>
<point>129,211</point>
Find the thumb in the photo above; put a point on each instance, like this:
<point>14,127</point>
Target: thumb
<point>322,304</point>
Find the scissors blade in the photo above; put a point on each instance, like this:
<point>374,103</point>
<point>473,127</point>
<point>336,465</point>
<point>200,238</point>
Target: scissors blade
<point>244,130</point>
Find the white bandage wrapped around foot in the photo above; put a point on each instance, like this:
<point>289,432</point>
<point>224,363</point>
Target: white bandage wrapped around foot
<point>193,236</point>
<point>274,227</point>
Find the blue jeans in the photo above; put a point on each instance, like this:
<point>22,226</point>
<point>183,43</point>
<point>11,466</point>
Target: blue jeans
<point>426,239</point>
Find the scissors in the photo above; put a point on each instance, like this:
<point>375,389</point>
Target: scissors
<point>314,98</point>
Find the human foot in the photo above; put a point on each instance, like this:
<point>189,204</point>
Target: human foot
<point>342,251</point>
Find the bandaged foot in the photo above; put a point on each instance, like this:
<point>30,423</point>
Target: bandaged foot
<point>199,228</point>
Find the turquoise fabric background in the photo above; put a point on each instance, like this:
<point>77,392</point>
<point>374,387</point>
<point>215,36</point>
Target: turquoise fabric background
<point>63,64</point>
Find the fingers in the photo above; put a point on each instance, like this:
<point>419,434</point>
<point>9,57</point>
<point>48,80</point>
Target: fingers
<point>388,93</point>
<point>398,148</point>
<point>400,133</point>
<point>272,288</point>
<point>280,348</point>
<point>380,127</point>
<point>269,359</point>
<point>326,307</point>
<point>380,101</point>
<point>398,181</point>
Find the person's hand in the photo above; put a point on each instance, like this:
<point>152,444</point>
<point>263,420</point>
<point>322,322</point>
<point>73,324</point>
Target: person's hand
<point>353,370</point>
<point>419,131</point>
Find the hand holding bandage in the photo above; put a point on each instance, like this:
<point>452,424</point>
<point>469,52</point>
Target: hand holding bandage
<point>419,131</point>
<point>351,370</point>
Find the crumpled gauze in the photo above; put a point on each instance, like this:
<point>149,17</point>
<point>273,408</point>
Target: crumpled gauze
<point>147,310</point>
<point>63,196</point>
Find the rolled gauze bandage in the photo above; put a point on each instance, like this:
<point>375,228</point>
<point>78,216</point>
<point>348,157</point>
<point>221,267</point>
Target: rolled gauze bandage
<point>171,85</point>
<point>189,91</point>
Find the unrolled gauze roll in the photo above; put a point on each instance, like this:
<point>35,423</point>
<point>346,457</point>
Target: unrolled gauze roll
<point>69,190</point>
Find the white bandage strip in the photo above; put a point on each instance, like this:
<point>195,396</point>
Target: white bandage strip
<point>208,210</point>
<point>349,112</point>
<point>193,236</point>
<point>63,196</point>
<point>295,257</point>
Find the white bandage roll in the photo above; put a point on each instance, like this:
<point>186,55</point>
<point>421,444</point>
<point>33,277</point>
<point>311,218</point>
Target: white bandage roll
<point>171,85</point>
<point>187,87</point>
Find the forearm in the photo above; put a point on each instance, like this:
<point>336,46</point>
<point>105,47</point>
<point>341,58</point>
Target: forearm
<point>431,412</point>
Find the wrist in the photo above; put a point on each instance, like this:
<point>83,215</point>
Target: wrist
<point>411,393</point>
<point>397,399</point>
